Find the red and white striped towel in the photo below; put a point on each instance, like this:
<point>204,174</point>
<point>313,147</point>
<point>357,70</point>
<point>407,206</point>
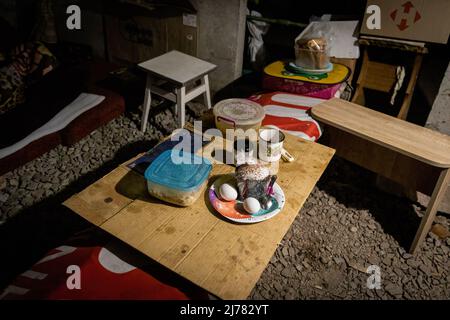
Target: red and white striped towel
<point>290,113</point>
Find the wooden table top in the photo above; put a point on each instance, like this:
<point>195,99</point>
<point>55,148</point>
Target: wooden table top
<point>404,137</point>
<point>224,258</point>
<point>177,67</point>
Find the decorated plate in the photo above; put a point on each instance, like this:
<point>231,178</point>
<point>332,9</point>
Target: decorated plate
<point>339,74</point>
<point>234,210</point>
<point>295,67</point>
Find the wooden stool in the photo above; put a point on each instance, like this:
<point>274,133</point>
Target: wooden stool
<point>413,156</point>
<point>382,77</point>
<point>179,69</point>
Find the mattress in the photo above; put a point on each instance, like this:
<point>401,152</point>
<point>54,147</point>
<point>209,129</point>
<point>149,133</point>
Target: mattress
<point>83,103</point>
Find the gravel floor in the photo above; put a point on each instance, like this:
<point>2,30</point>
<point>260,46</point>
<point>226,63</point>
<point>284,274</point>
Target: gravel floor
<point>345,225</point>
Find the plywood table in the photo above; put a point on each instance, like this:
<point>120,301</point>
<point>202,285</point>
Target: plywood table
<point>224,258</point>
<point>413,156</point>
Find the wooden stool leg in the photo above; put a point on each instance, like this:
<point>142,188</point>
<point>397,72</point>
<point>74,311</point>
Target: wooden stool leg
<point>176,110</point>
<point>358,96</point>
<point>147,104</point>
<point>403,113</point>
<point>430,214</point>
<point>207,94</point>
<point>181,100</point>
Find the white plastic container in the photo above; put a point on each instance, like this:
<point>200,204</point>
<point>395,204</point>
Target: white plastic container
<point>238,114</point>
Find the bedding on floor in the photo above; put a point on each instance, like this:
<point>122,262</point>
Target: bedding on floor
<point>82,103</point>
<point>44,99</point>
<point>108,270</point>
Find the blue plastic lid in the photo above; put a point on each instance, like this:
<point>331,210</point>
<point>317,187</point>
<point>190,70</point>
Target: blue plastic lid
<point>184,171</point>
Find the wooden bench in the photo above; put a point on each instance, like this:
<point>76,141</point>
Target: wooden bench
<point>413,156</point>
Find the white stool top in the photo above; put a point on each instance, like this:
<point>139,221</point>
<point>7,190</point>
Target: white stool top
<point>177,67</point>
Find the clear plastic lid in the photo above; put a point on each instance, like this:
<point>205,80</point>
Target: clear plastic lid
<point>239,111</point>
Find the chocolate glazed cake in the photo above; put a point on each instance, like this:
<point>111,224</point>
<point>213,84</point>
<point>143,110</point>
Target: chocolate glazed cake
<point>255,181</point>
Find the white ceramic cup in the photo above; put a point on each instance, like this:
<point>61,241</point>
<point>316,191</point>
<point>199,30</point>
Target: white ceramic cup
<point>270,144</point>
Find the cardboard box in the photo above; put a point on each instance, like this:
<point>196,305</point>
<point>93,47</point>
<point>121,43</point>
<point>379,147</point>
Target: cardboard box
<point>350,63</point>
<point>140,38</point>
<point>417,20</point>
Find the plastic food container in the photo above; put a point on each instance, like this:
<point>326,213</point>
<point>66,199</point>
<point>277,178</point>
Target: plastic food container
<point>178,179</point>
<point>238,114</point>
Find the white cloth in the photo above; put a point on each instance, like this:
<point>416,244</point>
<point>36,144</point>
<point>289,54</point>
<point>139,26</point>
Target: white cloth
<point>400,75</point>
<point>81,104</point>
<point>257,30</point>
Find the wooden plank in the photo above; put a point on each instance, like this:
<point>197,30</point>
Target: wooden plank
<point>359,97</point>
<point>403,113</point>
<point>137,221</point>
<point>208,254</point>
<point>406,138</point>
<point>411,46</point>
<point>147,103</point>
<point>239,271</point>
<point>101,200</point>
<point>164,94</point>
<point>161,239</point>
<point>185,244</point>
<point>380,76</point>
<point>194,93</point>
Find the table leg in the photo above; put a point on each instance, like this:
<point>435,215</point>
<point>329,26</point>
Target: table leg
<point>207,94</point>
<point>427,220</point>
<point>181,100</point>
<point>147,104</point>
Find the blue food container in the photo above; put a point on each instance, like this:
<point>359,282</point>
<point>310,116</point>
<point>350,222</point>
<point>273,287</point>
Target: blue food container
<point>178,177</point>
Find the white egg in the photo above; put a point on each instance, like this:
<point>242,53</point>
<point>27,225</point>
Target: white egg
<point>251,205</point>
<point>228,192</point>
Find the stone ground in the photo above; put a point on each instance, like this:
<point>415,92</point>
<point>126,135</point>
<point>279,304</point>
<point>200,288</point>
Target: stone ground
<point>345,225</point>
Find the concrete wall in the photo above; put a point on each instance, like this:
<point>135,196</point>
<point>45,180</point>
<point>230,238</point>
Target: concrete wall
<point>439,120</point>
<point>221,37</point>
<point>439,117</point>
